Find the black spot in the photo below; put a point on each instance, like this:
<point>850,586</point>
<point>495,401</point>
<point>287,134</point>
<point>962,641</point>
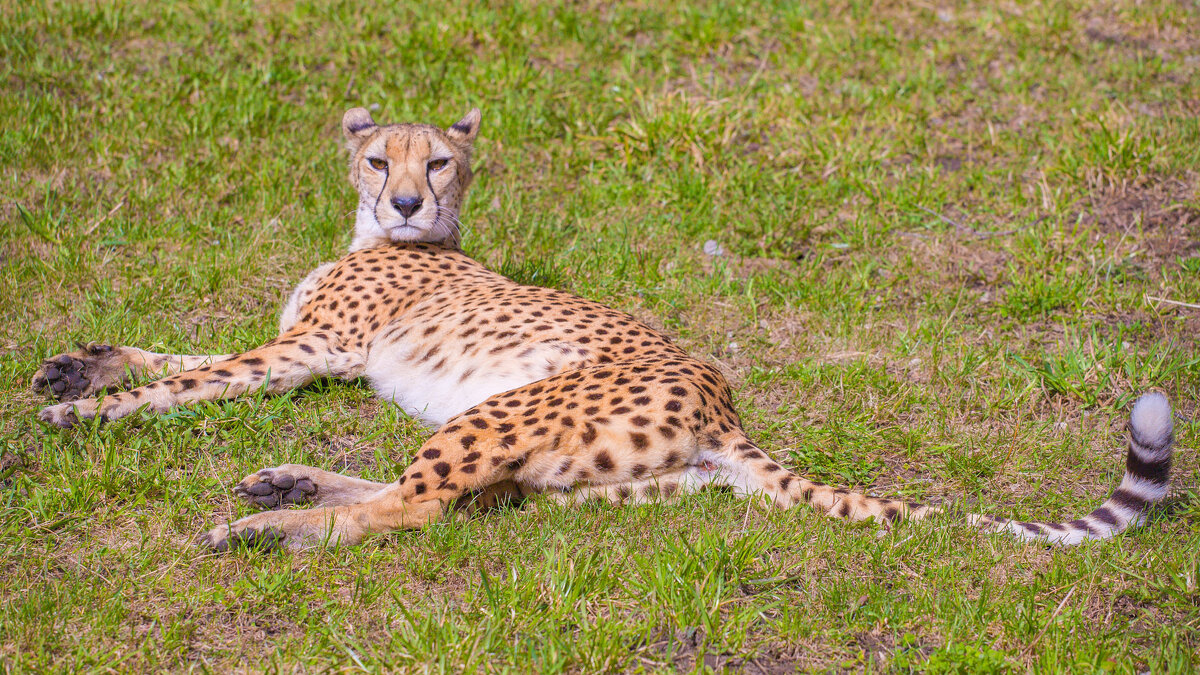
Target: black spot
<point>442,469</point>
<point>603,461</point>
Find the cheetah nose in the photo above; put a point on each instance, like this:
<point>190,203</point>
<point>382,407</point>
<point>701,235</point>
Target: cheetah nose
<point>407,206</point>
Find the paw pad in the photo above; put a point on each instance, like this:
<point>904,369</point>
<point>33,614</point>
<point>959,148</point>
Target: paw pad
<point>275,489</point>
<point>62,377</point>
<point>72,376</point>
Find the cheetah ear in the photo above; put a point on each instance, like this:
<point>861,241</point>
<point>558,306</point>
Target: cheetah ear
<point>357,125</point>
<point>463,131</point>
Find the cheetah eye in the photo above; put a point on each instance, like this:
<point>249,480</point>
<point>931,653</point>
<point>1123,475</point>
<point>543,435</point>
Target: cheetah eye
<point>377,164</point>
<point>438,164</point>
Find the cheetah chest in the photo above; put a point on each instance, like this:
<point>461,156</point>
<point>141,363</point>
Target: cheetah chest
<point>435,376</point>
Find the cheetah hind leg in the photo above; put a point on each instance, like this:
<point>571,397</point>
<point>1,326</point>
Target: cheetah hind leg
<point>660,488</point>
<point>289,484</point>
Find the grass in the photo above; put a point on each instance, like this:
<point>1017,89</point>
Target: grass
<point>942,226</point>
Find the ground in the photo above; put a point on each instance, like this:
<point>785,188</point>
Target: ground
<point>953,240</point>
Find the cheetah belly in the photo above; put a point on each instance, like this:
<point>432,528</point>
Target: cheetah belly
<point>434,380</point>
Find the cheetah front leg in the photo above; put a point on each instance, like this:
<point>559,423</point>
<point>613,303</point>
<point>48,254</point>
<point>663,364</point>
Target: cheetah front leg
<point>96,366</point>
<point>288,362</point>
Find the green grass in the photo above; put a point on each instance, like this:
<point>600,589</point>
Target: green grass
<point>944,226</point>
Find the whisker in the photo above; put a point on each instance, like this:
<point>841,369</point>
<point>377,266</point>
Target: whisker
<point>455,226</point>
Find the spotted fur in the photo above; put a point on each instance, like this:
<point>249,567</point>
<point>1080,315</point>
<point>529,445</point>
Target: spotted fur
<point>530,389</point>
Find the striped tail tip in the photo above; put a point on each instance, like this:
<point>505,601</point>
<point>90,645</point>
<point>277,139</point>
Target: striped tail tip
<point>1147,476</point>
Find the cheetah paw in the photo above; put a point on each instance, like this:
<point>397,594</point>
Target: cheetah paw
<point>67,415</point>
<point>229,536</point>
<point>271,488</point>
<point>78,374</point>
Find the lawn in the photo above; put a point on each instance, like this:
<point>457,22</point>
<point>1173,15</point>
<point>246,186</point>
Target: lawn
<point>951,242</point>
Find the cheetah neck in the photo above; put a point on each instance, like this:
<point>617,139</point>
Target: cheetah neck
<point>367,231</point>
<point>369,234</point>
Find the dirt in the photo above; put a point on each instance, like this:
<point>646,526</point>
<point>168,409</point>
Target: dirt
<point>686,649</point>
<point>1163,206</point>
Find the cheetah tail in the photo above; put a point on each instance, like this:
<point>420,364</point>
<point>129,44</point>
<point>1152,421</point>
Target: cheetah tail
<point>1147,473</point>
<point>1147,469</point>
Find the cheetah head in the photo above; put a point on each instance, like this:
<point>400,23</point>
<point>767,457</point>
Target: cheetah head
<point>411,178</point>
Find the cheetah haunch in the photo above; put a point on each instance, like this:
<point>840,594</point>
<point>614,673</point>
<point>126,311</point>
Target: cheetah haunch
<point>534,389</point>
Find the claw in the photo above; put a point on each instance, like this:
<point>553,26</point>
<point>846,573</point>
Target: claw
<point>264,539</point>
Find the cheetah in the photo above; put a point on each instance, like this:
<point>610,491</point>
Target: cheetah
<point>531,390</point>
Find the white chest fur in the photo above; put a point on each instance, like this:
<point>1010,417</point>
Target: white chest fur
<point>435,379</point>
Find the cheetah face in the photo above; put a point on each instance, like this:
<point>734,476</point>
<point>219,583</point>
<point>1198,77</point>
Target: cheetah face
<point>411,178</point>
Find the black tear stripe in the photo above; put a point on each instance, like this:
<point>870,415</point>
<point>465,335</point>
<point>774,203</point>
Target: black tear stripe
<point>1156,471</point>
<point>375,209</point>
<point>437,205</point>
